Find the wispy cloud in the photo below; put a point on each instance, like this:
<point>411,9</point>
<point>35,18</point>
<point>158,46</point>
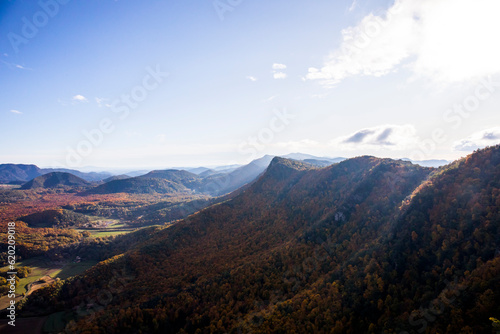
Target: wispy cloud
<point>277,66</point>
<point>278,71</point>
<point>21,67</point>
<point>14,111</point>
<point>279,75</point>
<point>353,6</point>
<point>251,78</point>
<point>79,98</point>
<point>388,136</point>
<point>14,65</point>
<point>270,98</point>
<point>101,101</point>
<point>427,36</point>
<point>478,140</point>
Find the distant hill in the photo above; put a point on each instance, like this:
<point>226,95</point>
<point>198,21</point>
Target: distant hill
<point>430,163</point>
<point>319,163</point>
<point>57,218</point>
<point>18,173</point>
<point>55,180</point>
<point>305,157</point>
<point>139,185</point>
<point>116,177</point>
<point>89,176</point>
<point>367,245</point>
<point>223,183</point>
<point>173,181</point>
<point>197,170</point>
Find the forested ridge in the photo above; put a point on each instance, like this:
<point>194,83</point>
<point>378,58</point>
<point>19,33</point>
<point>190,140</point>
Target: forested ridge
<point>367,245</point>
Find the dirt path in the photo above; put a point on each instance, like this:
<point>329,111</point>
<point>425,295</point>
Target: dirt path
<point>43,281</point>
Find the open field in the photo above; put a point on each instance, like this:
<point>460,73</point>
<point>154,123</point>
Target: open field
<point>49,270</point>
<point>9,186</point>
<point>109,227</point>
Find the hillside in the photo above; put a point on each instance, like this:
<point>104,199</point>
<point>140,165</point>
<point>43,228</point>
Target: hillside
<point>116,177</point>
<point>59,218</point>
<point>364,246</point>
<point>173,181</point>
<point>156,182</point>
<point>55,180</point>
<point>139,185</point>
<point>18,173</point>
<point>90,176</point>
<point>223,183</point>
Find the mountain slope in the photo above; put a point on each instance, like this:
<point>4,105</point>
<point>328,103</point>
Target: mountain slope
<point>173,181</point>
<point>364,246</point>
<point>18,172</point>
<point>262,221</point>
<point>89,177</point>
<point>55,180</point>
<point>220,184</point>
<point>139,185</point>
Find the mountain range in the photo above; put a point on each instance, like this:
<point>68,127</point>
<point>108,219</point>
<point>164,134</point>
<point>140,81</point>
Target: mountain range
<point>19,173</point>
<point>55,180</point>
<point>366,245</point>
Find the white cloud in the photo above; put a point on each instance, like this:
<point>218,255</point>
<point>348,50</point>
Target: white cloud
<point>279,75</point>
<point>251,78</point>
<point>277,66</point>
<point>15,111</point>
<point>270,98</point>
<point>388,136</point>
<point>100,101</point>
<point>478,140</point>
<point>444,40</point>
<point>353,6</point>
<point>79,98</point>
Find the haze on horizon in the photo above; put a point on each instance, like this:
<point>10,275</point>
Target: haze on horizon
<point>189,83</point>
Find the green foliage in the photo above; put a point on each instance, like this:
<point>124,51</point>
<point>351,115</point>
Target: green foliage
<point>58,218</point>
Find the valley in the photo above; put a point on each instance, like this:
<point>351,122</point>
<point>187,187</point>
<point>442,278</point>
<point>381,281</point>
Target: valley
<point>364,245</point>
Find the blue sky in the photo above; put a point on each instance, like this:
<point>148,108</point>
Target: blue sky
<point>236,80</point>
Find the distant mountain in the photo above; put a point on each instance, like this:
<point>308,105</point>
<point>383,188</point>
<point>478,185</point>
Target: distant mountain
<point>430,163</point>
<point>197,170</point>
<point>226,168</point>
<point>220,184</point>
<point>90,176</point>
<point>139,185</point>
<point>138,172</point>
<point>116,177</point>
<point>367,245</point>
<point>172,181</point>
<point>318,163</point>
<point>304,157</point>
<point>18,173</point>
<point>55,180</point>
<point>300,156</point>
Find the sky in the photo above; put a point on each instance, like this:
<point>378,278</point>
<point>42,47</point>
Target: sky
<point>162,83</point>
